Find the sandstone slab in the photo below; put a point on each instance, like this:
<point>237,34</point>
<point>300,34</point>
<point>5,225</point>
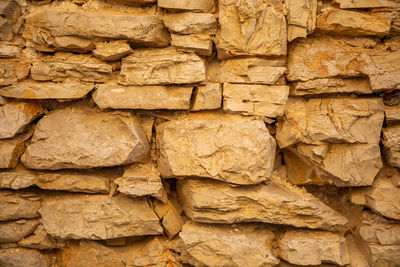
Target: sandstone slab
<point>11,232</point>
<point>306,247</point>
<point>194,5</point>
<point>47,90</point>
<point>301,18</point>
<point>13,70</point>
<point>344,22</point>
<point>139,30</point>
<point>40,239</point>
<point>186,148</point>
<point>246,70</point>
<point>15,116</point>
<point>140,180</point>
<point>112,51</point>
<point>9,50</point>
<point>98,217</point>
<point>259,100</point>
<point>199,43</point>
<point>277,203</point>
<point>208,96</point>
<point>225,245</point>
<point>190,22</point>
<point>112,95</point>
<point>12,149</point>
<point>390,140</point>
<point>15,205</point>
<point>367,3</point>
<point>161,66</point>
<point>84,138</point>
<point>19,257</point>
<point>72,67</point>
<point>255,28</point>
<point>331,120</point>
<point>16,178</point>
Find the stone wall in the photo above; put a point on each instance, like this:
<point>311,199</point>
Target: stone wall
<point>199,133</point>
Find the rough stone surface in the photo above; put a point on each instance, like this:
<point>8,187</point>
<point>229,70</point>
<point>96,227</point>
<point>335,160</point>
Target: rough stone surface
<point>40,90</point>
<point>18,257</point>
<point>112,51</point>
<point>229,245</point>
<point>367,3</point>
<point>15,205</point>
<point>15,116</point>
<point>190,22</point>
<point>390,140</point>
<point>170,218</point>
<point>9,50</point>
<point>255,28</point>
<point>333,120</point>
<point>13,70</point>
<point>208,96</point>
<point>14,231</point>
<point>352,23</point>
<point>12,149</point>
<point>260,100</point>
<point>392,113</point>
<point>217,202</point>
<point>98,217</point>
<point>16,178</point>
<point>301,18</point>
<point>48,149</point>
<point>378,230</point>
<point>161,66</point>
<point>186,148</point>
<point>140,180</point>
<point>40,239</point>
<point>313,248</point>
<point>246,70</point>
<point>194,5</point>
<point>112,95</point>
<point>198,43</point>
<point>385,255</point>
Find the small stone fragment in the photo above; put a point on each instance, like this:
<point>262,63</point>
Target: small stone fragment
<point>171,221</point>
<point>190,22</point>
<point>226,245</point>
<point>40,239</point>
<point>16,178</point>
<point>16,206</point>
<point>12,149</point>
<point>18,257</point>
<point>14,231</point>
<point>194,5</point>
<point>198,43</point>
<point>390,140</point>
<point>208,96</point>
<point>392,113</point>
<point>301,18</point>
<point>13,70</point>
<point>304,247</point>
<point>98,217</point>
<point>259,100</point>
<point>112,95</point>
<point>9,50</point>
<point>112,51</point>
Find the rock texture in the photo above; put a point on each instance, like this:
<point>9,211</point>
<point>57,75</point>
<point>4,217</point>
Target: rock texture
<point>83,151</point>
<point>186,149</point>
<point>18,205</point>
<point>17,178</point>
<point>190,22</point>
<point>22,257</point>
<point>103,217</point>
<point>301,18</point>
<point>13,70</point>
<point>14,231</point>
<point>207,96</point>
<point>390,140</point>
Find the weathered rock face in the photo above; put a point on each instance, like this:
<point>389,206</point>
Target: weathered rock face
<point>15,116</point>
<point>255,28</point>
<point>190,22</point>
<point>391,138</point>
<point>170,218</point>
<point>16,178</point>
<point>13,70</point>
<point>161,66</point>
<point>98,217</point>
<point>216,202</point>
<point>15,206</point>
<point>40,239</point>
<point>378,230</point>
<point>56,23</point>
<point>12,149</point>
<point>207,96</point>
<point>198,43</point>
<point>301,18</point>
<point>313,248</point>
<point>367,3</point>
<point>186,149</point>
<point>48,149</point>
<point>260,100</point>
<point>195,5</point>
<point>231,246</point>
<point>11,232</point>
<point>112,51</point>
<point>112,95</point>
<point>22,257</point>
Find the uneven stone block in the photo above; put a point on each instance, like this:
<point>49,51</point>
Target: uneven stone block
<point>40,239</point>
<point>190,22</point>
<point>367,3</point>
<point>98,217</point>
<point>15,205</point>
<point>161,66</point>
<point>170,218</point>
<point>246,70</point>
<point>198,43</point>
<point>47,90</point>
<point>194,5</point>
<point>332,120</point>
<point>13,70</point>
<point>208,96</point>
<point>260,100</point>
<point>12,149</point>
<point>112,95</point>
<point>301,18</point>
<point>186,148</point>
<point>140,180</point>
<point>304,247</point>
<point>59,22</point>
<point>344,22</point>
<point>385,255</point>
<point>250,28</point>
<point>72,67</point>
<point>19,257</point>
<point>85,138</point>
<point>390,140</point>
<point>340,164</point>
<point>9,50</point>
<point>210,201</point>
<point>378,230</point>
<point>392,113</point>
<point>16,178</point>
<point>112,51</point>
<point>14,231</point>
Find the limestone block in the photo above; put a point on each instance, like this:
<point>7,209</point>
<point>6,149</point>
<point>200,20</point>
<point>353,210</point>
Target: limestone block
<point>390,140</point>
<point>385,255</point>
<point>378,230</point>
<point>226,245</point>
<point>304,247</point>
<point>153,66</point>
<point>12,149</point>
<point>13,70</point>
<point>392,113</point>
<point>112,51</point>
<point>186,148</point>
<point>208,96</point>
<point>301,18</point>
<point>14,231</point>
<point>22,257</point>
<point>190,22</point>
<point>170,218</point>
<point>15,205</point>
<point>367,3</point>
<point>259,100</point>
<point>250,28</point>
<point>194,5</point>
<point>9,50</point>
<point>113,95</point>
<point>85,138</point>
<point>198,43</point>
<point>17,178</point>
<point>40,239</point>
<point>98,217</point>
